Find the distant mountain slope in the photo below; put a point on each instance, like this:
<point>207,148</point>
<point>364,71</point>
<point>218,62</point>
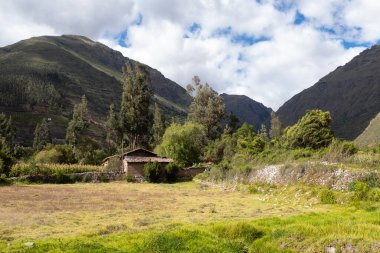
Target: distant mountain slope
<point>247,110</point>
<point>45,76</point>
<point>371,135</point>
<point>351,93</point>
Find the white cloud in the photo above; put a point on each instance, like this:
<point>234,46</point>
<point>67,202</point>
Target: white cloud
<point>293,58</point>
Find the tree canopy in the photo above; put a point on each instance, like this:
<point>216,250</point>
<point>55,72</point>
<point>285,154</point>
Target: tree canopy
<point>312,131</point>
<point>184,143</point>
<point>207,108</point>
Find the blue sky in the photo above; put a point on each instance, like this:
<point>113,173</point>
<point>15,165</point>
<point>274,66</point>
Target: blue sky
<point>268,49</point>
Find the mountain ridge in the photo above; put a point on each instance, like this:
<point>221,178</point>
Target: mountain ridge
<point>351,93</point>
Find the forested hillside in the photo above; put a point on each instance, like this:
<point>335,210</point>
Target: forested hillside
<point>43,77</point>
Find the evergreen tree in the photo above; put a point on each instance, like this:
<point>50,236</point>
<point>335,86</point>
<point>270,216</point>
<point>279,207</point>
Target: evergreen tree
<point>79,122</point>
<point>135,116</point>
<point>276,126</point>
<point>6,133</point>
<point>41,135</point>
<point>207,108</point>
<point>263,133</point>
<point>111,128</point>
<point>158,125</point>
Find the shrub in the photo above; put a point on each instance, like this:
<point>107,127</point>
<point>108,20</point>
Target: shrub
<point>115,164</point>
<point>130,178</point>
<point>152,171</point>
<point>372,180</point>
<point>4,180</point>
<point>171,171</point>
<point>48,156</point>
<point>6,162</point>
<point>361,190</point>
<point>374,195</point>
<point>339,150</point>
<point>327,197</point>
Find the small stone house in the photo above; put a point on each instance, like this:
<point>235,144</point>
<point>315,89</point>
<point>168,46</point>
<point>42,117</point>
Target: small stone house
<point>134,161</point>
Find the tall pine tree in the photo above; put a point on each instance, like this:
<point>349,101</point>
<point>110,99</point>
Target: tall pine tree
<point>112,128</point>
<point>207,108</point>
<point>6,133</point>
<point>135,116</point>
<point>79,122</point>
<point>41,135</point>
<point>158,125</point>
<point>276,126</point>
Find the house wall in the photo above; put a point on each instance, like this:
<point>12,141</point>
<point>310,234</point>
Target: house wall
<point>136,169</point>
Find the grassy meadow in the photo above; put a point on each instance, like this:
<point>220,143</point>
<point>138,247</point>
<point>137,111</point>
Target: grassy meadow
<point>182,217</point>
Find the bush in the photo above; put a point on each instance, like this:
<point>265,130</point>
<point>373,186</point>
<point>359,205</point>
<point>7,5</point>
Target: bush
<point>4,180</point>
<point>115,164</point>
<point>339,150</point>
<point>374,195</point>
<point>361,190</point>
<point>327,197</point>
<point>171,171</point>
<point>6,162</point>
<point>152,171</point>
<point>48,156</point>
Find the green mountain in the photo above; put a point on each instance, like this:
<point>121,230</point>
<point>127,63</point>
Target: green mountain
<point>351,93</point>
<point>371,135</point>
<point>45,76</point>
<point>247,110</point>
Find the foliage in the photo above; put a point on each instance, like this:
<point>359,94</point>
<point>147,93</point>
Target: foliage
<point>4,180</point>
<point>339,150</point>
<point>207,108</point>
<point>115,164</point>
<point>183,143</point>
<point>171,171</point>
<point>327,197</point>
<point>34,169</point>
<point>48,156</point>
<point>276,126</point>
<point>152,171</point>
<point>88,151</point>
<point>248,141</point>
<point>79,122</point>
<point>6,162</point>
<point>313,130</point>
<point>41,135</point>
<point>6,133</point>
<point>361,191</point>
<point>112,130</point>
<point>135,116</point>
<point>232,124</point>
<point>158,128</point>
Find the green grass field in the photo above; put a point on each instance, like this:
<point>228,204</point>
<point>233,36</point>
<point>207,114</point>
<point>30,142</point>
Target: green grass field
<point>182,217</point>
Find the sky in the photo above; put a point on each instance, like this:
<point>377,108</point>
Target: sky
<point>268,50</point>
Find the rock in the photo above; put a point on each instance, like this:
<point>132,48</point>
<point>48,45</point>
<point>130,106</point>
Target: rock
<point>330,249</point>
<point>29,244</point>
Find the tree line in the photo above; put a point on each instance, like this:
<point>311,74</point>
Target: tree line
<point>209,133</point>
